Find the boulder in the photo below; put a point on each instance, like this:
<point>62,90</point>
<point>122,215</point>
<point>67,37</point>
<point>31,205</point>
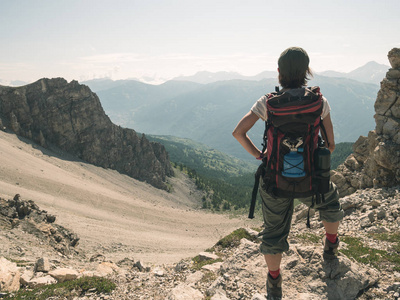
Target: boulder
<point>394,58</point>
<point>9,276</point>
<point>42,265</point>
<point>90,274</point>
<point>158,271</point>
<point>64,274</point>
<point>185,292</point>
<point>142,268</point>
<point>213,267</point>
<point>207,256</point>
<point>107,268</point>
<point>219,295</point>
<point>192,279</point>
<point>41,281</point>
<point>97,257</point>
<point>26,276</point>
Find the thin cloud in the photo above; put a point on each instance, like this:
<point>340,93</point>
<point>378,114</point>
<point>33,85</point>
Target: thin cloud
<point>13,66</point>
<point>112,58</point>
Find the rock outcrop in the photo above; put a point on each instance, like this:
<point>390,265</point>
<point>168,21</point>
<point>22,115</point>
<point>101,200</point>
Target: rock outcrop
<point>53,112</point>
<point>29,218</point>
<point>376,158</point>
<point>241,272</point>
<point>9,276</point>
<point>238,270</point>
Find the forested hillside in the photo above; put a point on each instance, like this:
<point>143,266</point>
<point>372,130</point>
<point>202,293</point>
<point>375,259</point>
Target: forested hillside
<point>226,181</point>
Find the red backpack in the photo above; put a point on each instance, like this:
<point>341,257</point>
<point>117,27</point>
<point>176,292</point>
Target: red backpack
<point>291,137</point>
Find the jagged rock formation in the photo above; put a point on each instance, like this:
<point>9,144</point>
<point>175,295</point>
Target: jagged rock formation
<point>70,117</point>
<point>376,158</point>
<point>29,218</point>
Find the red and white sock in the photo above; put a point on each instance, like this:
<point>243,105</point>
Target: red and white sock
<point>275,274</point>
<point>331,237</point>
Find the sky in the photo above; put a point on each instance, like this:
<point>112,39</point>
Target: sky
<point>121,39</point>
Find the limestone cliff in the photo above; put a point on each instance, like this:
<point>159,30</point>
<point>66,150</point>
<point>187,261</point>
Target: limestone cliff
<point>70,116</point>
<point>376,158</point>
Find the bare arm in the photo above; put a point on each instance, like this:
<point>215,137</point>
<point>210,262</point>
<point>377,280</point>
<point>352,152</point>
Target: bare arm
<point>240,133</point>
<point>329,132</point>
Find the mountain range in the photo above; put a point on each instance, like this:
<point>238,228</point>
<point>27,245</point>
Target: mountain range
<point>207,113</point>
<point>206,107</point>
<point>372,72</point>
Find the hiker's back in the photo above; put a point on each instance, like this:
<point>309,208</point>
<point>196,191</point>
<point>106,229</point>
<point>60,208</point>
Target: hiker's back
<point>289,170</point>
<point>291,137</point>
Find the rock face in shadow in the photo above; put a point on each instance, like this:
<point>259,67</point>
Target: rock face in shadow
<point>70,117</point>
<point>376,158</point>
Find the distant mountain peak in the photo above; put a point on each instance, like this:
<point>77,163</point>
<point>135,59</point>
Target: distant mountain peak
<point>371,66</point>
<point>374,63</point>
<point>371,72</point>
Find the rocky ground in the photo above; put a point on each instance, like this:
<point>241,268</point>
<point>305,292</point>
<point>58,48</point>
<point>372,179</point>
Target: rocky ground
<point>231,270</point>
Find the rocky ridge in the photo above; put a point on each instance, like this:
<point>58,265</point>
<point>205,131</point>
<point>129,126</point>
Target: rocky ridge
<point>27,217</point>
<point>240,271</point>
<point>53,112</point>
<point>237,270</point>
<point>376,158</point>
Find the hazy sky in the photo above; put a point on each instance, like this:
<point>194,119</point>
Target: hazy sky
<point>85,39</point>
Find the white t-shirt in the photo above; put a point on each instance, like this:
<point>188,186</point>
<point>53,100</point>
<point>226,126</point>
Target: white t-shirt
<point>260,108</point>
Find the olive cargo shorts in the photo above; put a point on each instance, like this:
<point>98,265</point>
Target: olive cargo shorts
<point>278,212</point>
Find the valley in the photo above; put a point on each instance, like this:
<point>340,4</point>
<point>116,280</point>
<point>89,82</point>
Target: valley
<point>207,113</point>
<point>112,213</point>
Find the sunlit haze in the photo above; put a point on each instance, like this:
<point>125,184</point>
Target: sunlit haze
<point>119,39</point>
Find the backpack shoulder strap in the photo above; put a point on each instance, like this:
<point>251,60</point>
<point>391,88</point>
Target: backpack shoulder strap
<point>324,132</point>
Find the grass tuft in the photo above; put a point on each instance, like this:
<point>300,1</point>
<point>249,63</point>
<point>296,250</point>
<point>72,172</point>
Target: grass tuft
<point>310,237</point>
<point>66,290</point>
<point>233,240</point>
<point>380,259</point>
<point>198,263</point>
<point>394,255</point>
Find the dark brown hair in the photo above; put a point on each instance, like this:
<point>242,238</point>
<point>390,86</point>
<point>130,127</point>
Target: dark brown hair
<point>294,81</point>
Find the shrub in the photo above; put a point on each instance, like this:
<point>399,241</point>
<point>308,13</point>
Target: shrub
<point>233,240</point>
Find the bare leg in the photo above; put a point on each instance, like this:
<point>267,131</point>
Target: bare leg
<point>330,246</point>
<point>331,228</point>
<point>273,261</point>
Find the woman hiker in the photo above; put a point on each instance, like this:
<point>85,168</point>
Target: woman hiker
<point>293,69</point>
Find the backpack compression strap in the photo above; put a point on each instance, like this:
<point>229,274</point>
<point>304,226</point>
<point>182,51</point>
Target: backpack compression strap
<point>257,176</point>
<point>260,172</point>
<point>321,123</point>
